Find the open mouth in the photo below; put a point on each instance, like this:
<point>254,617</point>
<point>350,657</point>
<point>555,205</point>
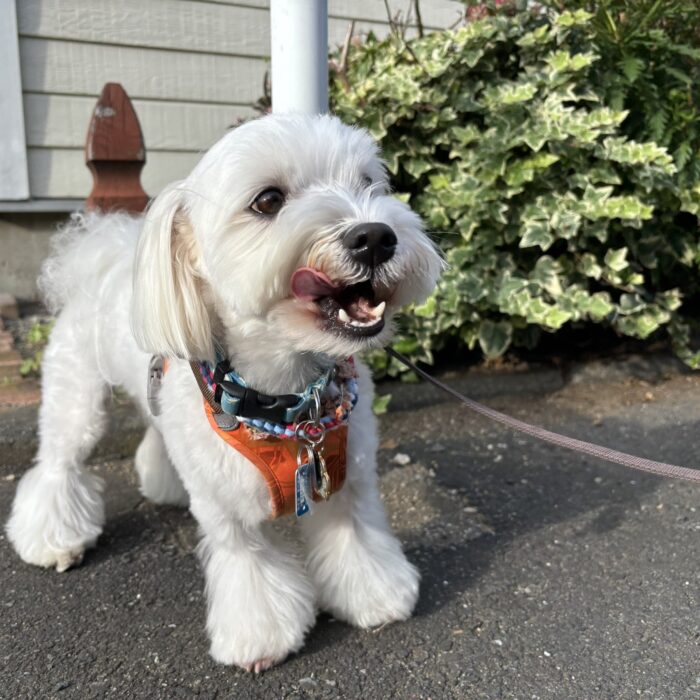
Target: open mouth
<point>351,309</point>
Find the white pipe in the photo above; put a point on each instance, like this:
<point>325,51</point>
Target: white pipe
<point>299,51</point>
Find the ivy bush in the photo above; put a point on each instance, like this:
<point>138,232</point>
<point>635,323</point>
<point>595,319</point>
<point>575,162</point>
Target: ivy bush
<point>548,213</point>
<point>650,65</point>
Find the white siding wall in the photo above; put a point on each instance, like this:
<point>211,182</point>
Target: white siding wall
<point>192,68</point>
<point>13,158</point>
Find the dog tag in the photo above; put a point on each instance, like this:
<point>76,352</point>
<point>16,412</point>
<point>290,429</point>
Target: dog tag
<point>303,489</point>
<point>155,378</point>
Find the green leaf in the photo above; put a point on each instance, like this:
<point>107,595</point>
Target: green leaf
<point>599,306</point>
<point>632,67</point>
<point>561,61</point>
<point>538,36</point>
<point>617,259</point>
<point>495,337</point>
<point>565,223</point>
<point>406,346</point>
<point>556,318</point>
<point>570,19</point>
<point>631,303</point>
<point>546,273</point>
<point>426,310</point>
<point>590,267</point>
<point>418,166</point>
<point>380,404</point>
<point>536,233</point>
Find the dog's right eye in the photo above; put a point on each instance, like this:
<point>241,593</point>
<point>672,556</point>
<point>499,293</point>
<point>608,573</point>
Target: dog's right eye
<point>268,202</point>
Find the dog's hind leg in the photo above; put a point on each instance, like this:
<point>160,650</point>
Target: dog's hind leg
<point>160,482</point>
<point>58,510</point>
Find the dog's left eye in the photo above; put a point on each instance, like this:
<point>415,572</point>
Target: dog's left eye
<point>366,181</point>
<point>268,202</point>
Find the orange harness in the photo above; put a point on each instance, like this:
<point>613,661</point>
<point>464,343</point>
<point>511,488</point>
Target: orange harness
<point>276,460</point>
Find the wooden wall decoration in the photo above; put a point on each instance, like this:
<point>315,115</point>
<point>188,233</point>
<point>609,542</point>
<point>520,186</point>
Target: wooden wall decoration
<point>115,154</point>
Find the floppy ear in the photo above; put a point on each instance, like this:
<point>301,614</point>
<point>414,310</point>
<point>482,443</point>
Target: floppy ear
<point>168,313</point>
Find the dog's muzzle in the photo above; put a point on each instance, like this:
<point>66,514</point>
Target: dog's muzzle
<point>354,309</point>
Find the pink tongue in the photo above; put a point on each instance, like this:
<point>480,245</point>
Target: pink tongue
<point>309,284</point>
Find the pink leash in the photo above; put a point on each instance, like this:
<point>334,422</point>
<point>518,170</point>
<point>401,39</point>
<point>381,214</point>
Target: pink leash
<point>640,463</point>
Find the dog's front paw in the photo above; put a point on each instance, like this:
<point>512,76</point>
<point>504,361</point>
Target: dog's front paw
<point>261,665</point>
<point>55,517</point>
<point>364,586</point>
<point>261,604</point>
<point>257,648</point>
<point>256,636</point>
<point>32,552</point>
<point>232,651</point>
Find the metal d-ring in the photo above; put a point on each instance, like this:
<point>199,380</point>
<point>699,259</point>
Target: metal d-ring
<point>313,446</point>
<point>302,433</point>
<point>315,407</point>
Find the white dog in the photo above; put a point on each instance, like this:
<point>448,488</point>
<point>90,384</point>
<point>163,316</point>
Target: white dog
<point>284,253</point>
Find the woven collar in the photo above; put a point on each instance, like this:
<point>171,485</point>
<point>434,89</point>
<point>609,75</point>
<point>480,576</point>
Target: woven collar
<point>277,415</point>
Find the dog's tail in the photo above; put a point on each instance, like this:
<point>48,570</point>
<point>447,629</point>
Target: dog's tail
<point>85,255</point>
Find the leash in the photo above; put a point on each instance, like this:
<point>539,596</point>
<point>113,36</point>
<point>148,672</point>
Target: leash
<point>645,465</point>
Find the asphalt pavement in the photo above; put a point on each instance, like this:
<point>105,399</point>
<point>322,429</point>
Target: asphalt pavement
<point>546,574</point>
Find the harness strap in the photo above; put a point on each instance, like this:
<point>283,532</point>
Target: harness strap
<point>207,393</point>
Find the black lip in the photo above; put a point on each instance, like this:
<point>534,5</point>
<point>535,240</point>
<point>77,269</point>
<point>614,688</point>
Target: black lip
<point>330,306</point>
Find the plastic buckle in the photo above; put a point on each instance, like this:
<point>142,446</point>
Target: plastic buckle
<point>249,403</point>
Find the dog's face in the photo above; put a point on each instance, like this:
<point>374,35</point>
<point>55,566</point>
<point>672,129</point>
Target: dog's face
<point>286,225</point>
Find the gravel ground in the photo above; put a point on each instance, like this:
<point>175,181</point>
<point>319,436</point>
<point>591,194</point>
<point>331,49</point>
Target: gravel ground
<point>545,574</point>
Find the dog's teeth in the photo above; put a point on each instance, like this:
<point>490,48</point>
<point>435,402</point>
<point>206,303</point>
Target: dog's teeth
<point>379,310</point>
<point>364,324</point>
<point>343,316</point>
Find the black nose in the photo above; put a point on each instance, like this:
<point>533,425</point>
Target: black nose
<point>370,244</point>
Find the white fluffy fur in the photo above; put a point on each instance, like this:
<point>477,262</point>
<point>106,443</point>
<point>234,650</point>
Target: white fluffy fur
<point>204,269</point>
<point>158,478</point>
